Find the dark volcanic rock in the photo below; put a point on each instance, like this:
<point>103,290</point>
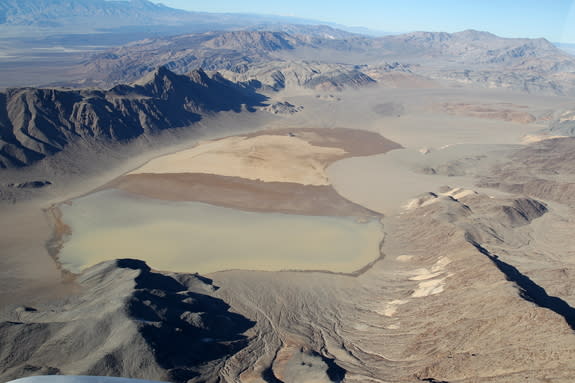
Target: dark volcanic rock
<point>521,212</point>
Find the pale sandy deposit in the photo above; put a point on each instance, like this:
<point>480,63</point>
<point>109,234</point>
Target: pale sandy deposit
<point>267,158</point>
<point>278,170</point>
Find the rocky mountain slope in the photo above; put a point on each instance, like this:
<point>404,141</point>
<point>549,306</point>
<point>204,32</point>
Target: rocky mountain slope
<point>128,321</point>
<point>551,173</point>
<point>242,55</point>
<point>483,59</point>
<point>35,123</point>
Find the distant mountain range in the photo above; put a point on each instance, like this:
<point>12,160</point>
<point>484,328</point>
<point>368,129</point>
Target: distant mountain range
<point>242,55</point>
<point>468,57</point>
<point>53,13</point>
<point>89,15</point>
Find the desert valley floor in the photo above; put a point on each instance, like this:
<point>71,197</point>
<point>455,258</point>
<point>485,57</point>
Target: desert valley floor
<point>375,235</point>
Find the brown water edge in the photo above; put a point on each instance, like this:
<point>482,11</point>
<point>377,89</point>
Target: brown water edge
<point>243,194</point>
<point>197,237</point>
<point>60,233</point>
<point>352,274</point>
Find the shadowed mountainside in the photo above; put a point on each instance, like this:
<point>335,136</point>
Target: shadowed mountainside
<point>35,123</point>
<point>127,321</point>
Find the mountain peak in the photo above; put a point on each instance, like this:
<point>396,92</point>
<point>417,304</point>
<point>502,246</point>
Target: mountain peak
<point>199,77</point>
<point>475,34</point>
<point>157,76</point>
<point>260,40</point>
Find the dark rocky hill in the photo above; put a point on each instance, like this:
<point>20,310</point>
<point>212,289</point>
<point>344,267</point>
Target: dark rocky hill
<point>128,321</point>
<point>35,123</point>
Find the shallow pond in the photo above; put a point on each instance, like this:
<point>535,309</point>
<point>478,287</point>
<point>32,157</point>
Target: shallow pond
<point>197,237</point>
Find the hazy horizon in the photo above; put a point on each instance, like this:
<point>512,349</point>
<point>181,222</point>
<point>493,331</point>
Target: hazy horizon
<point>532,19</point>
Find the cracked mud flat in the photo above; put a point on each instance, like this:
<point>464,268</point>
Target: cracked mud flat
<point>475,283</point>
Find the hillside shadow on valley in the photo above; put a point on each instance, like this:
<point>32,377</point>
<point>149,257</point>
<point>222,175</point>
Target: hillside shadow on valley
<point>529,290</point>
<point>185,329</point>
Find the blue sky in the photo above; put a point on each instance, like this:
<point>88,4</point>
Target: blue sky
<point>552,19</point>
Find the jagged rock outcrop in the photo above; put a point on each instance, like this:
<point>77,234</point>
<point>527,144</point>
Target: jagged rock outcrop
<point>35,123</point>
<point>284,108</point>
<point>521,212</point>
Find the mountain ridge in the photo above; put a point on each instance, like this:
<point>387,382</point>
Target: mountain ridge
<point>39,122</point>
<point>471,57</point>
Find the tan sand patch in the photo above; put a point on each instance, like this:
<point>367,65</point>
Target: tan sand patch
<point>298,156</point>
<point>265,158</point>
<point>427,288</point>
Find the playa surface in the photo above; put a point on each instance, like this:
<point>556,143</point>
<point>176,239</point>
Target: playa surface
<point>261,201</point>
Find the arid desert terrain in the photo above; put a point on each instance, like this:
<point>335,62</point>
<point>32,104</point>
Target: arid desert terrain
<point>394,223</point>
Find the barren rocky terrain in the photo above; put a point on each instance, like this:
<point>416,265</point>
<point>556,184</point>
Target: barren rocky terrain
<point>392,209</point>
